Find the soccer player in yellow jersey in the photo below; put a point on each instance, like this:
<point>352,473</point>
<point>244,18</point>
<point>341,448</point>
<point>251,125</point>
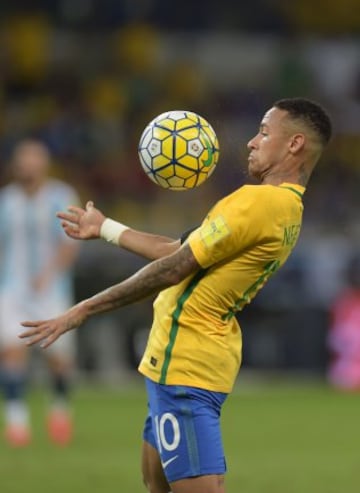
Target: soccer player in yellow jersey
<point>194,349</point>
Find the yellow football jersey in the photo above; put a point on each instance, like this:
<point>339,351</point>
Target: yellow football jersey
<point>195,338</point>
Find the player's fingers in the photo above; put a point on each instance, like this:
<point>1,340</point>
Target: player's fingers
<point>89,205</point>
<point>72,218</point>
<point>29,334</point>
<point>79,211</point>
<point>32,323</point>
<point>47,341</point>
<point>71,230</point>
<point>30,341</point>
<point>26,333</point>
<point>36,335</point>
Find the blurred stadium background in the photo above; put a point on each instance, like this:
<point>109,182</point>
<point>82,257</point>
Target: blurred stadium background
<point>87,75</point>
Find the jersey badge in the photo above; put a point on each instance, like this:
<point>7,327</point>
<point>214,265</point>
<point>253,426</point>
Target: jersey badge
<point>214,231</point>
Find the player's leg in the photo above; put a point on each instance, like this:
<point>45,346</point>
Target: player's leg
<point>186,430</point>
<point>155,480</point>
<point>13,367</point>
<point>152,471</point>
<point>13,371</point>
<point>202,484</point>
<point>60,364</point>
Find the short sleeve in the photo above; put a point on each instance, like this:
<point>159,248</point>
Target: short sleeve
<point>186,234</point>
<point>232,226</point>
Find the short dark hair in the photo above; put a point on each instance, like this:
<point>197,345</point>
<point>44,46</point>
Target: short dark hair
<point>309,112</point>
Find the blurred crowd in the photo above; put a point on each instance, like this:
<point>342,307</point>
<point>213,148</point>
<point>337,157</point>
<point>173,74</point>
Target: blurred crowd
<point>87,76</point>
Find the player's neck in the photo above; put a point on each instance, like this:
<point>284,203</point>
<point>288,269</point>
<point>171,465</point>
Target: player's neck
<point>279,179</point>
<point>299,175</point>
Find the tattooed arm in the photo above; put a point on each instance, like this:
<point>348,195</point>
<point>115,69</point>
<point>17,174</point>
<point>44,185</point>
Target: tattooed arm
<point>149,280</point>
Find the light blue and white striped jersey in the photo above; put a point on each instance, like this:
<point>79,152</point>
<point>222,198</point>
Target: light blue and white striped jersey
<point>30,234</point>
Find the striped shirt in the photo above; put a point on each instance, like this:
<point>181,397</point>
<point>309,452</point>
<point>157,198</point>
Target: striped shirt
<point>30,235</point>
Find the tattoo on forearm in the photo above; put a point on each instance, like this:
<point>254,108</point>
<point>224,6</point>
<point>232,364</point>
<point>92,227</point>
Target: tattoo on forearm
<point>156,276</point>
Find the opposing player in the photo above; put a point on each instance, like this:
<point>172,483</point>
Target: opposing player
<point>194,348</point>
<point>36,258</point>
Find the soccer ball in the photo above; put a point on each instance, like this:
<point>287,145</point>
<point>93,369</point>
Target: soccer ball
<point>178,150</point>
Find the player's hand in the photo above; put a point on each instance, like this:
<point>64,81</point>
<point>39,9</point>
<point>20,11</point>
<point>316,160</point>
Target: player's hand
<point>82,224</point>
<point>46,332</point>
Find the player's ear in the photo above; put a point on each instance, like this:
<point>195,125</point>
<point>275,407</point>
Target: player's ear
<point>297,142</point>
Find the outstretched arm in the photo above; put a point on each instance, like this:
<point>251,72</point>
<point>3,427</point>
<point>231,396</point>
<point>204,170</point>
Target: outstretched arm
<point>149,280</point>
<point>90,223</point>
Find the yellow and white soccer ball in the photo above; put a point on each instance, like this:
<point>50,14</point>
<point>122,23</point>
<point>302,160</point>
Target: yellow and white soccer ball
<point>179,150</point>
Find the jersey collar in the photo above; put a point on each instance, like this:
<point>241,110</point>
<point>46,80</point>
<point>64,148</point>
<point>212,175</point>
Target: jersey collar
<point>294,187</point>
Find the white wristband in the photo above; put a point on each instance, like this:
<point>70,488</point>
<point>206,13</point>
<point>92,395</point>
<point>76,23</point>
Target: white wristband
<point>111,231</point>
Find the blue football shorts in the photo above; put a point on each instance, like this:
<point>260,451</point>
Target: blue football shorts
<point>183,424</point>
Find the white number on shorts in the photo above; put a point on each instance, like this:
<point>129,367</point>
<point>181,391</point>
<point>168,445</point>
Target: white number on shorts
<point>160,432</point>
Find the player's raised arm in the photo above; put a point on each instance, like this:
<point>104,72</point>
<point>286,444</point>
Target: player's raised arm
<point>149,280</point>
<point>90,223</point>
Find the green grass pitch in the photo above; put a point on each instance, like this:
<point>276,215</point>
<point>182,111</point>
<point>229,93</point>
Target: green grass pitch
<point>279,438</point>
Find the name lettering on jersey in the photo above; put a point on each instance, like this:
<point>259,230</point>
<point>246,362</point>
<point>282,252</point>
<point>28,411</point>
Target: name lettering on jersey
<point>250,292</point>
<point>291,234</point>
<point>214,231</point>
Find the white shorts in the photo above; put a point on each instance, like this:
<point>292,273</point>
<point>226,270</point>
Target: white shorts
<point>16,309</point>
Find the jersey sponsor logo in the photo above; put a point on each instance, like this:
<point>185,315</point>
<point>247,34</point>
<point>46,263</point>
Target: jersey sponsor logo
<point>214,231</point>
<point>153,361</point>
